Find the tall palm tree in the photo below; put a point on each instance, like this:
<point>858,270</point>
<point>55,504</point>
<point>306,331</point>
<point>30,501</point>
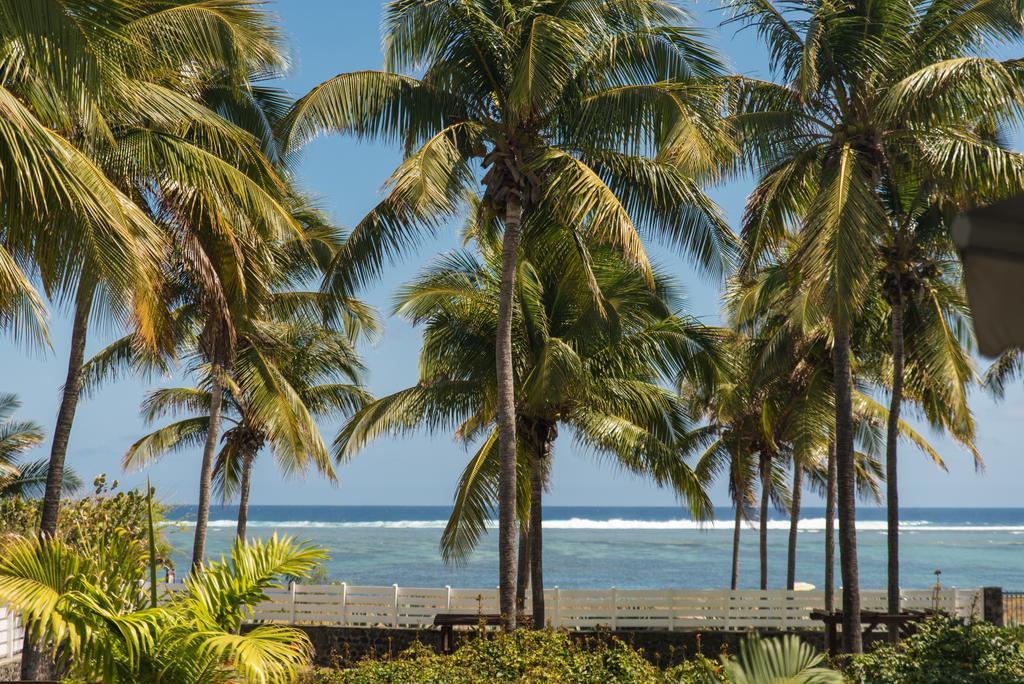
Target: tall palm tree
<point>743,447</point>
<point>866,88</point>
<point>136,80</point>
<point>599,368</point>
<point>930,339</point>
<point>298,373</point>
<point>265,309</point>
<point>597,115</point>
<point>790,352</point>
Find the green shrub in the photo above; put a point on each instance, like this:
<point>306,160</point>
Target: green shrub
<point>698,670</point>
<point>90,521</point>
<point>553,657</point>
<point>948,651</point>
<point>526,656</point>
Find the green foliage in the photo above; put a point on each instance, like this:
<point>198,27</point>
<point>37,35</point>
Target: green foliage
<point>544,656</point>
<point>92,606</point>
<point>946,650</point>
<point>551,656</point>
<point>88,522</point>
<point>697,670</point>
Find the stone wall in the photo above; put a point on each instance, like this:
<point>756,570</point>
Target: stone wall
<point>10,670</point>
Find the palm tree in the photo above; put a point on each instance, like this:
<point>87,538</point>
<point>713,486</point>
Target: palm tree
<point>868,91</point>
<point>596,115</point>
<point>597,367</point>
<point>791,410</point>
<point>930,337</point>
<point>94,606</point>
<point>20,478</point>
<point>137,76</point>
<point>743,446</point>
<point>298,373</point>
<point>210,328</point>
<point>785,659</point>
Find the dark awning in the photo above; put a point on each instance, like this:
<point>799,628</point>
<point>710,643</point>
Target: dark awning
<point>991,242</point>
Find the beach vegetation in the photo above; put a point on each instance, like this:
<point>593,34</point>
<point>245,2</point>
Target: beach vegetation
<point>946,650</point>
<point>869,98</point>
<point>91,605</point>
<point>106,512</point>
<point>20,477</point>
<point>604,118</point>
<point>604,377</point>
<point>554,656</point>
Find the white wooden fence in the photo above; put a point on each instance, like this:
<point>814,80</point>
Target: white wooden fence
<point>582,609</point>
<point>11,635</point>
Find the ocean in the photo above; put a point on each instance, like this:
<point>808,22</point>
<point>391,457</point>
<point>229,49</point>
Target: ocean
<point>627,547</point>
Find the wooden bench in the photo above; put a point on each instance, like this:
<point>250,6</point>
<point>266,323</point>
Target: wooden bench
<point>449,621</point>
<point>907,622</point>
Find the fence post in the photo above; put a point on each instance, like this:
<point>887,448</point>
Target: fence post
<point>12,627</point>
<point>448,598</point>
<point>291,588</point>
<point>344,603</point>
<point>556,612</point>
<point>615,608</point>
<point>992,605</point>
<point>394,620</point>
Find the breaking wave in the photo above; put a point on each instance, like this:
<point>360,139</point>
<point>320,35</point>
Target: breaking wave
<point>807,525</point>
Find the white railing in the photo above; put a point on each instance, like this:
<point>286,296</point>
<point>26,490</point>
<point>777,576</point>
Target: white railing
<point>405,607</point>
<point>11,635</point>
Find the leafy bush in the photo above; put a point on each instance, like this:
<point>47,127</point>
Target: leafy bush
<point>551,656</point>
<point>697,670</point>
<point>948,651</point>
<point>543,656</point>
<point>90,521</point>
<point>95,612</point>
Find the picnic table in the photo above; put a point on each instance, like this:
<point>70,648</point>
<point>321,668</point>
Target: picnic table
<point>449,621</point>
<point>906,620</point>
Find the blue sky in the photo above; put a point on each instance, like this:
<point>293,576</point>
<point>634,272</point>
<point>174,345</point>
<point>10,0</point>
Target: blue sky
<point>328,37</point>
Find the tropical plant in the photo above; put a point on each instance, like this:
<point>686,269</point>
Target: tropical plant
<point>598,367</point>
<point>106,511</point>
<point>599,116</point>
<point>769,661</point>
<point>770,409</point>
<point>293,374</point>
<point>19,478</point>
<point>945,650</point>
<point>276,312</point>
<point>92,605</point>
<point>136,80</point>
<point>868,91</point>
<point>929,333</point>
<point>783,398</point>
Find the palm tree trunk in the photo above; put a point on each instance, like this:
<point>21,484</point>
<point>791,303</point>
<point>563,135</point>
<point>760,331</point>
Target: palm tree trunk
<point>206,471</point>
<point>243,495</point>
<point>32,657</point>
<point>830,531</point>
<point>507,414</point>
<point>892,497</point>
<point>537,470</point>
<point>66,413</point>
<point>766,488</point>
<point>523,567</point>
<point>846,489</point>
<point>794,523</point>
<point>734,582</point>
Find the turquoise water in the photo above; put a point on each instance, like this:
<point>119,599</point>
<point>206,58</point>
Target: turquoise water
<point>632,547</point>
